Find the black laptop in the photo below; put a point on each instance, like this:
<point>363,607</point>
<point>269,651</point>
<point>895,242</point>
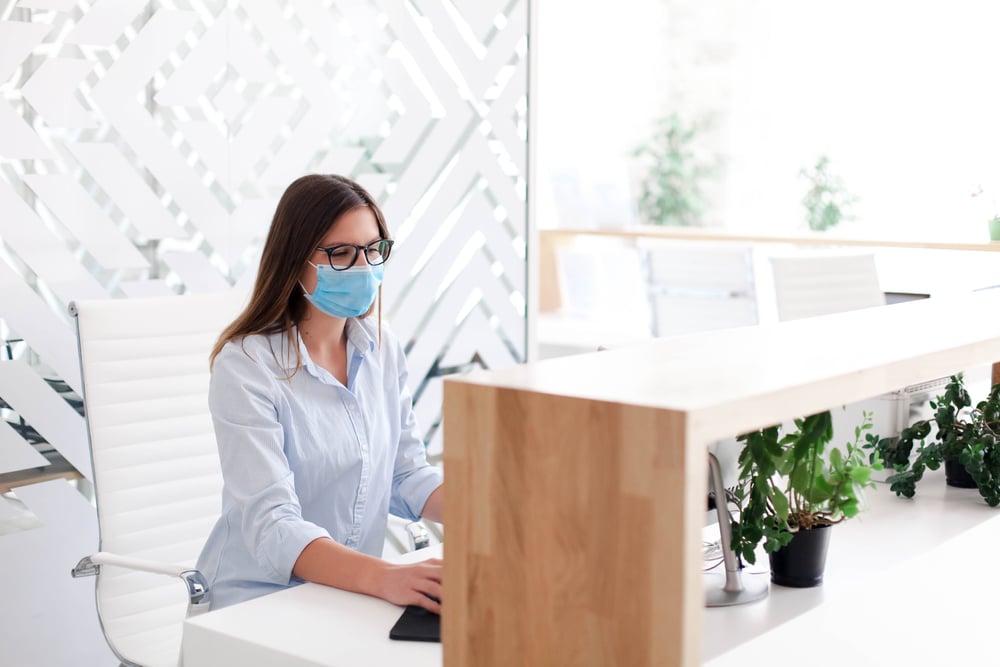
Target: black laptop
<point>418,625</point>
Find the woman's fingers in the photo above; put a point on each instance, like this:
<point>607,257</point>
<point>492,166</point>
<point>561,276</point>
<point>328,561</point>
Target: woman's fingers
<point>430,589</point>
<point>427,602</point>
<point>428,586</point>
<point>416,584</point>
<point>436,562</point>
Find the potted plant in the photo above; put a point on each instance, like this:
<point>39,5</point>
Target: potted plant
<point>994,228</point>
<point>967,442</point>
<point>826,201</point>
<point>673,171</point>
<point>993,223</point>
<point>791,490</point>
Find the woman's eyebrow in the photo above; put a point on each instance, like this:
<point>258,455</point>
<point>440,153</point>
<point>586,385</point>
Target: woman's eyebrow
<point>337,243</point>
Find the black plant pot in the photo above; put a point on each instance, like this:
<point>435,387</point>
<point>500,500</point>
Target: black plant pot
<point>956,475</point>
<point>801,562</point>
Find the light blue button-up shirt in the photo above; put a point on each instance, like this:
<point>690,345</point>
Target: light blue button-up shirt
<point>308,458</point>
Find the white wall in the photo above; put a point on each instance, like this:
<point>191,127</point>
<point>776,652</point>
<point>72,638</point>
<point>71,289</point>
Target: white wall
<point>599,84</point>
<point>901,96</point>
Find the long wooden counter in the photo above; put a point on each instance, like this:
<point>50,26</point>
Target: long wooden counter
<point>806,238</point>
<point>549,240</point>
<point>576,486</point>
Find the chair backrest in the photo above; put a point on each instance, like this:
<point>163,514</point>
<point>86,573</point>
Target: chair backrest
<point>699,286</point>
<point>144,364</point>
<point>811,285</point>
<point>600,279</point>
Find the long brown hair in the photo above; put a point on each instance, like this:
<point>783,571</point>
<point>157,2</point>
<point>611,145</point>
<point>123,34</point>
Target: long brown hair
<point>304,214</point>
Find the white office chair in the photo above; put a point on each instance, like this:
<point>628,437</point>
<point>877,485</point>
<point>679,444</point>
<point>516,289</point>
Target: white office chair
<point>811,285</point>
<point>144,363</point>
<point>602,296</point>
<point>157,482</point>
<point>699,286</point>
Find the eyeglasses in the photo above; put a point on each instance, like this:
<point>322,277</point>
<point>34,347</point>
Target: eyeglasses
<point>344,255</point>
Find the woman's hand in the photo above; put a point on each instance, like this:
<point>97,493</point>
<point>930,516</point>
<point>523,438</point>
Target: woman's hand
<point>412,584</point>
<point>324,561</point>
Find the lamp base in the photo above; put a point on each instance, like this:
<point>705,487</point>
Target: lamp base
<point>752,587</point>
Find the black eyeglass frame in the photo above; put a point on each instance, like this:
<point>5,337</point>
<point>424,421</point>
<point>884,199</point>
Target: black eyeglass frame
<point>382,252</point>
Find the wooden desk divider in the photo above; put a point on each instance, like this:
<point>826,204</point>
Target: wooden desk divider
<point>574,512</point>
<point>576,486</point>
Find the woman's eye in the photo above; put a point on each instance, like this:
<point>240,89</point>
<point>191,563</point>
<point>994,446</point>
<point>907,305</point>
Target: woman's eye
<point>341,252</point>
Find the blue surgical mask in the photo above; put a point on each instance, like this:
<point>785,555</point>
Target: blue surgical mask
<point>346,293</point>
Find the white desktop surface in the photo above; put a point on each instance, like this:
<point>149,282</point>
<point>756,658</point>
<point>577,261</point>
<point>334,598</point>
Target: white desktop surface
<point>905,566</point>
<point>888,571</point>
<point>935,608</point>
<point>307,626</point>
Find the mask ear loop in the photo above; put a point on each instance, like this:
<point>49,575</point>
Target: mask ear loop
<point>379,316</point>
<point>304,290</point>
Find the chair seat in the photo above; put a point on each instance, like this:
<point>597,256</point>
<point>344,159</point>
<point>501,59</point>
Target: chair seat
<point>160,647</point>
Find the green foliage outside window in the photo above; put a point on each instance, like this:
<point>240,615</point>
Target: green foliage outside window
<point>826,201</point>
<point>673,174</point>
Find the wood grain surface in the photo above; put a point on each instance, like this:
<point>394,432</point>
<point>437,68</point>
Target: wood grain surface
<point>573,531</point>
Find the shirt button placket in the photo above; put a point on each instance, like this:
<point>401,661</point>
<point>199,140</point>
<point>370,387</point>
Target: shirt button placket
<point>365,471</point>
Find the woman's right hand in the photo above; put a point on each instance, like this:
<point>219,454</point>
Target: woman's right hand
<point>417,584</point>
<point>324,561</point>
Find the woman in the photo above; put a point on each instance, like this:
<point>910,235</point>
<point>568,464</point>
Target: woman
<point>314,422</point>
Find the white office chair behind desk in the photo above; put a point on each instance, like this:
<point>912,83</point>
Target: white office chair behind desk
<point>813,285</point>
<point>144,364</point>
<point>696,287</point>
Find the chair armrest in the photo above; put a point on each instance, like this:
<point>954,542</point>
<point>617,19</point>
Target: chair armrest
<point>418,535</point>
<point>195,581</point>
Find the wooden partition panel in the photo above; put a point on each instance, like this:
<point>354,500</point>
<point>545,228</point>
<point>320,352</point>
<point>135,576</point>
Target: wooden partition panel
<point>573,531</point>
<point>576,486</point>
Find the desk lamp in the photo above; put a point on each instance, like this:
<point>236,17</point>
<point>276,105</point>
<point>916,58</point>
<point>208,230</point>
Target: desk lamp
<point>735,589</point>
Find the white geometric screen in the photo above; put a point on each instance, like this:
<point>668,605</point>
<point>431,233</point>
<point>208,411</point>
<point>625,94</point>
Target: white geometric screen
<point>144,145</point>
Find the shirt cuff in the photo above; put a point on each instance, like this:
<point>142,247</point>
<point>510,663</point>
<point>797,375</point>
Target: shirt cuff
<point>414,491</point>
<point>290,540</point>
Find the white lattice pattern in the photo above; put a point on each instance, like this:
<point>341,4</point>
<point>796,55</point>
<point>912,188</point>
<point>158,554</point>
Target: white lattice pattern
<point>143,146</point>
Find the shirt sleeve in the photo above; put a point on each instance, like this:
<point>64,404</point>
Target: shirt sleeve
<point>413,479</point>
<point>255,470</point>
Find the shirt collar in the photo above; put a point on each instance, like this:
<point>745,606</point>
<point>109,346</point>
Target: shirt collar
<point>360,335</point>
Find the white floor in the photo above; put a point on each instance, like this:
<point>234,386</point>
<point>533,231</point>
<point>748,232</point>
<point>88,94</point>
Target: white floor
<point>15,515</point>
<point>47,618</point>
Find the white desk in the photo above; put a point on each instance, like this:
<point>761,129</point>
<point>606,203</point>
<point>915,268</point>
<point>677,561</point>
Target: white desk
<point>560,335</point>
<point>307,626</point>
<point>935,608</point>
<point>887,571</point>
<point>526,576</point>
<point>898,559</point>
<point>914,608</point>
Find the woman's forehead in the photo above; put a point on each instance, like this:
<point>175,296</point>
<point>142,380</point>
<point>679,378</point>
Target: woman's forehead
<point>355,226</point>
